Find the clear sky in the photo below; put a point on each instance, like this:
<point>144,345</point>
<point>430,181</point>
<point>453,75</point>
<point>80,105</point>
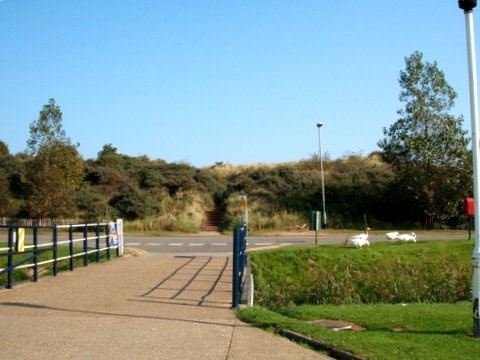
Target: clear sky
<point>233,81</point>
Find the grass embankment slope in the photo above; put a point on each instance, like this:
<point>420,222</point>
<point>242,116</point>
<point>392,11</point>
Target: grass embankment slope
<point>412,299</point>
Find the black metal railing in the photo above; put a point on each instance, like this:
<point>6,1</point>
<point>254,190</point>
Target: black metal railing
<point>25,246</point>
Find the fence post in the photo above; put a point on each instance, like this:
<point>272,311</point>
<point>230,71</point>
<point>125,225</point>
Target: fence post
<point>235,272</point>
<point>35,254</point>
<point>85,245</point>
<point>97,242</point>
<point>70,246</point>
<point>55,241</point>
<point>108,241</point>
<point>239,261</point>
<point>10,258</point>
<point>120,237</point>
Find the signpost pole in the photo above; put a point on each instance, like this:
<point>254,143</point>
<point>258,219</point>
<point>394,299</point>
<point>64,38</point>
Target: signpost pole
<point>467,6</point>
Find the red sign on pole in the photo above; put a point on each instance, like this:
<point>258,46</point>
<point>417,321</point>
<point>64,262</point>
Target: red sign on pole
<point>469,207</point>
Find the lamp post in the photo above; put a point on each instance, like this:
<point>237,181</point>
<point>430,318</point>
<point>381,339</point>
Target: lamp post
<point>467,6</point>
<point>324,212</point>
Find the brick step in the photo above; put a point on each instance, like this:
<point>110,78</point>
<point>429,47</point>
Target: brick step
<point>213,221</point>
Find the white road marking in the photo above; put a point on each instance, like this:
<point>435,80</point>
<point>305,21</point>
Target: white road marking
<point>196,244</point>
<point>175,244</point>
<point>154,244</point>
<point>219,244</point>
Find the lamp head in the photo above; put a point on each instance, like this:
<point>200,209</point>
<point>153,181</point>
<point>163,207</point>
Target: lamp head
<point>467,5</point>
<point>319,125</point>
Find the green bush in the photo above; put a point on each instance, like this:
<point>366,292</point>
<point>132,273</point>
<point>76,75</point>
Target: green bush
<point>281,196</point>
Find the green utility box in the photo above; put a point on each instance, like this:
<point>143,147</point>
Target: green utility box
<point>316,220</point>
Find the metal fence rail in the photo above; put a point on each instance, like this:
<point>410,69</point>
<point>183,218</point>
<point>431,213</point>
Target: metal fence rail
<point>25,245</point>
<point>239,263</point>
<point>39,222</point>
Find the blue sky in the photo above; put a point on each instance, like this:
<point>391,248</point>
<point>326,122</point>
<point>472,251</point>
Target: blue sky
<point>236,81</point>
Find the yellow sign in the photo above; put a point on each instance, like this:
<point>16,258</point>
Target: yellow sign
<point>243,201</point>
<point>21,240</point>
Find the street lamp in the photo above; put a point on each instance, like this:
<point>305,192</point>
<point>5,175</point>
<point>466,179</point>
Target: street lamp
<point>324,212</point>
<point>467,6</point>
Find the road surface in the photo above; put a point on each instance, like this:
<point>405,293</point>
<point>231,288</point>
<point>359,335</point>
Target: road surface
<point>222,244</point>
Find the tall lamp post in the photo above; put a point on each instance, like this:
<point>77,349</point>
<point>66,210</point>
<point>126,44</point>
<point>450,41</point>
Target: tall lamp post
<point>467,6</point>
<point>324,212</point>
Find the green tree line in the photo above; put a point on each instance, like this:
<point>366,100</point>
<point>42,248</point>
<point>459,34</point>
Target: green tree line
<point>419,178</point>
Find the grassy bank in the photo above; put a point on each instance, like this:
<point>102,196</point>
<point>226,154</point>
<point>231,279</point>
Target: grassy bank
<point>430,271</point>
<point>413,300</point>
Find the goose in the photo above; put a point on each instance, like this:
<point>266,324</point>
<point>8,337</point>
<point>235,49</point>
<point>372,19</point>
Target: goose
<point>407,237</point>
<point>359,240</point>
<point>392,235</point>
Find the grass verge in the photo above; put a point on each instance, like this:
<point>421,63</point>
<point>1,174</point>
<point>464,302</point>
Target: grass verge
<point>412,299</point>
<point>409,331</point>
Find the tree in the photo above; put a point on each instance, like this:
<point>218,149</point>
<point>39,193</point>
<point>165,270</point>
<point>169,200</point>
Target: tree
<point>4,149</point>
<point>427,146</point>
<point>132,203</point>
<point>54,174</point>
<point>47,129</point>
<point>8,170</point>
<point>55,169</point>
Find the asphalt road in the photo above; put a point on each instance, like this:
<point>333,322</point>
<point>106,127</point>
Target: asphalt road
<point>222,244</point>
<point>215,244</point>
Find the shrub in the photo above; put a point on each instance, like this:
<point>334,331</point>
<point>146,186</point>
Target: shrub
<point>183,212</point>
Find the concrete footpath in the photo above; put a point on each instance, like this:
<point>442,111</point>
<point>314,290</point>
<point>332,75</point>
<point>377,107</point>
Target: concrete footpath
<point>145,307</point>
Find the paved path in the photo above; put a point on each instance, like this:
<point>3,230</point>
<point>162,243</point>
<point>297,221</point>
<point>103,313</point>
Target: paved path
<point>146,307</point>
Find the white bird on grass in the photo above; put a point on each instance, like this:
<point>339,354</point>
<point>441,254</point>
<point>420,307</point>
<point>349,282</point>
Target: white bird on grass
<point>407,237</point>
<point>359,240</point>
<point>392,235</point>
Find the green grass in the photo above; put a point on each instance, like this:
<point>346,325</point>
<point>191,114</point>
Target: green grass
<point>413,299</point>
<point>412,331</point>
<point>430,271</point>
